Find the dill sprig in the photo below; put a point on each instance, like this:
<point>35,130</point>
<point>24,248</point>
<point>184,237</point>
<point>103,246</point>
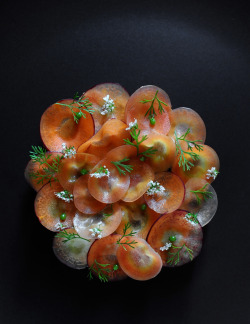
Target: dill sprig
<point>39,155</point>
<point>192,217</point>
<point>69,236</point>
<point>120,164</point>
<point>206,194</point>
<point>101,270</point>
<point>151,111</point>
<point>135,133</point>
<point>183,162</point>
<point>127,242</point>
<point>175,256</point>
<point>105,216</point>
<point>81,103</point>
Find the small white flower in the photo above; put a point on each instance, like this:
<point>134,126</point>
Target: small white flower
<point>154,187</point>
<point>166,247</point>
<point>64,195</point>
<point>212,173</point>
<point>68,152</point>
<point>101,172</point>
<point>132,124</point>
<point>108,106</point>
<point>96,231</point>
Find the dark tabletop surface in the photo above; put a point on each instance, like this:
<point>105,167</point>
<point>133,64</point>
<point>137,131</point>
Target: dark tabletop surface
<point>198,52</point>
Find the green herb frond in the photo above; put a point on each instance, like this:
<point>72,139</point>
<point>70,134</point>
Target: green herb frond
<point>120,164</point>
<point>151,111</point>
<point>175,256</point>
<point>205,194</point>
<point>127,242</point>
<point>69,236</point>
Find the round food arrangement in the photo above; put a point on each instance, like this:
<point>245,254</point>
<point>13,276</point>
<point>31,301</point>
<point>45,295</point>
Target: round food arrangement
<point>123,181</point>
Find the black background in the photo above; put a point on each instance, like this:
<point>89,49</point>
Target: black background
<point>198,52</point>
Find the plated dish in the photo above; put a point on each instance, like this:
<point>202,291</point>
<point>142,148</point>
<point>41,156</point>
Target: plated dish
<point>123,181</point>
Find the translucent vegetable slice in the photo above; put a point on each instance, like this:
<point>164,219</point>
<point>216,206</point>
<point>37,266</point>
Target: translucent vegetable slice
<point>49,208</point>
<point>139,216</point>
<point>140,176</point>
<point>33,168</point>
<point>183,119</point>
<point>116,93</point>
<point>57,126</point>
<point>107,138</point>
<point>72,253</point>
<point>168,199</point>
<point>188,238</point>
<point>203,201</point>
<point>208,159</point>
<point>83,200</point>
<point>135,109</point>
<point>100,224</point>
<point>164,157</point>
<point>103,251</point>
<point>73,168</point>
<point>140,262</point>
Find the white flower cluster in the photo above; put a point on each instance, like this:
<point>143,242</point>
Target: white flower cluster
<point>108,106</point>
<point>212,173</point>
<point>60,226</point>
<point>154,187</point>
<point>64,195</point>
<point>166,247</point>
<point>101,172</point>
<point>68,152</point>
<point>132,124</point>
<point>96,231</point>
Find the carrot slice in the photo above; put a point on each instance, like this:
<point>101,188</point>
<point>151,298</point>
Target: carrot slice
<point>116,93</point>
<point>163,158</point>
<point>57,126</point>
<point>139,216</point>
<point>137,110</point>
<point>103,251</point>
<point>204,205</point>
<point>140,176</point>
<point>140,262</point>
<point>71,169</point>
<point>170,197</point>
<point>183,119</point>
<point>100,224</point>
<point>108,137</point>
<point>34,167</point>
<point>83,200</point>
<point>49,208</point>
<point>208,159</point>
<point>187,234</point>
<point>72,253</point>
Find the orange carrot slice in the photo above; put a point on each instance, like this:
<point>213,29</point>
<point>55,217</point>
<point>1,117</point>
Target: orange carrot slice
<point>170,197</point>
<point>57,126</point>
<point>140,176</point>
<point>49,208</point>
<point>183,119</point>
<point>108,137</point>
<point>34,167</point>
<point>73,168</point>
<point>103,251</point>
<point>83,200</point>
<point>139,216</point>
<point>135,109</point>
<point>99,225</point>
<point>208,159</point>
<point>140,262</point>
<point>164,157</point>
<point>116,93</point>
<point>72,253</point>
<point>187,234</point>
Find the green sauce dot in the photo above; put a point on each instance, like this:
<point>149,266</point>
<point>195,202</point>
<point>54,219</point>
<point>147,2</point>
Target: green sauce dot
<point>152,121</point>
<point>84,171</point>
<point>78,115</point>
<point>63,217</point>
<point>115,267</point>
<point>172,238</point>
<point>142,158</point>
<point>143,206</point>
